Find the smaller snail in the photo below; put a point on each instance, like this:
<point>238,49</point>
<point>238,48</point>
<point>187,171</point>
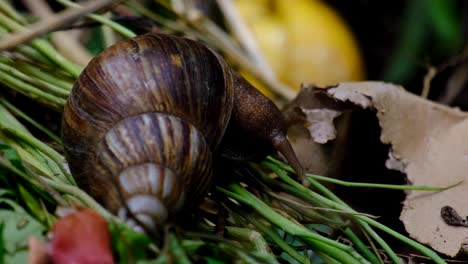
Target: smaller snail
<point>150,113</point>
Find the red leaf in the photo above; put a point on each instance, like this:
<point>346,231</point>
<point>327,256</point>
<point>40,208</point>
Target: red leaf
<point>81,237</point>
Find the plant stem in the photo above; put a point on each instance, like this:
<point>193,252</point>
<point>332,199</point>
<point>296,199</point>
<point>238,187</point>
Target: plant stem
<point>56,157</point>
<point>11,12</point>
<point>338,204</point>
<point>391,254</point>
<point>34,179</point>
<point>311,199</point>
<point>42,73</point>
<point>177,250</point>
<point>365,185</point>
<point>223,41</point>
<point>252,236</point>
<point>243,196</point>
<point>65,42</point>
<point>361,246</point>
<point>55,102</point>
<point>170,24</point>
<point>42,46</point>
<point>276,238</point>
<point>54,22</point>
<point>245,36</point>
<point>46,87</point>
<point>336,253</point>
<point>123,31</point>
<point>21,114</point>
<point>82,196</point>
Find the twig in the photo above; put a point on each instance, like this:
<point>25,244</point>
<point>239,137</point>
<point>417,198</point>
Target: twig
<point>455,84</point>
<point>9,11</point>
<point>245,36</point>
<point>205,25</point>
<point>453,88</point>
<point>65,43</point>
<point>123,31</point>
<point>170,25</point>
<point>296,205</point>
<point>431,73</point>
<point>53,23</point>
<point>108,34</point>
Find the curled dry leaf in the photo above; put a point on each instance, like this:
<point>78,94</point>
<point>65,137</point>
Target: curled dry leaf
<point>312,119</point>
<point>430,140</point>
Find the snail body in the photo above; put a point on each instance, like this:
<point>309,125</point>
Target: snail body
<point>146,117</point>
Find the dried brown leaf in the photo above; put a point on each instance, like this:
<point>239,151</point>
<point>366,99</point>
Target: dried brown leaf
<point>429,140</point>
<point>312,120</point>
<point>319,122</point>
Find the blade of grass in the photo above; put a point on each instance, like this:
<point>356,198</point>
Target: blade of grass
<point>11,12</point>
<point>55,156</point>
<point>249,235</point>
<point>312,200</point>
<point>123,31</point>
<point>173,25</point>
<point>347,254</point>
<point>338,204</point>
<point>64,188</point>
<point>39,71</point>
<point>365,185</point>
<point>52,101</point>
<point>31,53</point>
<point>44,86</point>
<point>82,196</point>
<point>177,251</point>
<point>373,257</point>
<point>239,193</point>
<point>29,158</point>
<point>4,163</point>
<point>31,121</point>
<point>53,22</point>
<point>372,245</point>
<point>393,256</point>
<point>274,236</point>
<point>44,47</point>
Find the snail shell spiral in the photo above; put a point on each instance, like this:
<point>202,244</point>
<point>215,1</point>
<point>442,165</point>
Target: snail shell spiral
<point>147,113</point>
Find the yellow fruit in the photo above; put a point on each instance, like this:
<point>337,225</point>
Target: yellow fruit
<point>303,40</point>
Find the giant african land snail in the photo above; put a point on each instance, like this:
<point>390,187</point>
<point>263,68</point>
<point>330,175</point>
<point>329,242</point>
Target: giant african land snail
<point>150,112</point>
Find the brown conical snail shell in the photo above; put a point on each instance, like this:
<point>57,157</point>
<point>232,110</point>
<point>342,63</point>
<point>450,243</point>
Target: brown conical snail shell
<point>149,112</point>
